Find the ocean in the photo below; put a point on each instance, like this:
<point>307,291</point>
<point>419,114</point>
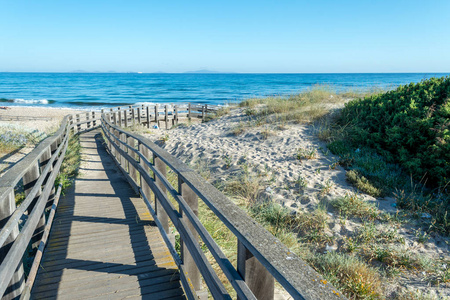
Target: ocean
<point>103,90</point>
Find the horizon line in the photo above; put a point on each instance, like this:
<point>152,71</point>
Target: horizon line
<point>214,72</point>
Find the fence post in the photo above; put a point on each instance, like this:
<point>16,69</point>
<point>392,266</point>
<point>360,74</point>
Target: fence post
<point>7,208</point>
<point>119,112</point>
<point>70,123</point>
<point>78,121</point>
<point>131,169</point>
<point>189,111</point>
<point>192,200</point>
<point>156,115</point>
<point>29,180</point>
<point>133,115</point>
<point>258,279</point>
<point>125,115</point>
<point>88,124</point>
<point>94,123</point>
<point>203,113</point>
<point>123,160</point>
<point>166,117</point>
<point>148,116</point>
<point>162,215</point>
<point>139,115</point>
<point>145,187</point>
<point>175,118</point>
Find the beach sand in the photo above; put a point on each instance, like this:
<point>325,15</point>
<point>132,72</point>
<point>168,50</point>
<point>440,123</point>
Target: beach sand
<point>221,156</point>
<point>43,121</point>
<point>299,185</point>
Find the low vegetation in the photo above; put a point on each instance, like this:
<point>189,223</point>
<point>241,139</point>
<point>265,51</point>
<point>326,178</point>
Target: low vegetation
<point>70,165</point>
<point>361,260</point>
<point>14,137</point>
<point>408,126</point>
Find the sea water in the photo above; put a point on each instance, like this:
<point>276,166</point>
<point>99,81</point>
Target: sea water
<point>102,90</point>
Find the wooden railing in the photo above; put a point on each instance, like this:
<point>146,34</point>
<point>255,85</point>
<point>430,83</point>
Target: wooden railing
<point>261,258</point>
<point>34,176</point>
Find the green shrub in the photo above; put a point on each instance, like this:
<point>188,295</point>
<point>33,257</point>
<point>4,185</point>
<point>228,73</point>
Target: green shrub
<point>409,125</point>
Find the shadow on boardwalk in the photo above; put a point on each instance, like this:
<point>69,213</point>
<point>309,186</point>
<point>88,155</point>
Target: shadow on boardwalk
<point>104,243</point>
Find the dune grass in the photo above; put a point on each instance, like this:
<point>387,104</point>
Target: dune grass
<point>304,107</point>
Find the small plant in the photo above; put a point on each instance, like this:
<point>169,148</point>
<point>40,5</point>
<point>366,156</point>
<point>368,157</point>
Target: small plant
<point>228,160</point>
<point>306,153</point>
<point>238,129</point>
<point>352,205</point>
<point>422,236</point>
<point>351,275</point>
<point>326,188</point>
<point>165,138</point>
<point>250,111</point>
<point>362,184</point>
<point>266,132</point>
<point>301,182</point>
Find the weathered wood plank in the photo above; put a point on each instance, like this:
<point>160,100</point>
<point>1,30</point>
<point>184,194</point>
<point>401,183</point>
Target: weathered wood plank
<point>104,242</point>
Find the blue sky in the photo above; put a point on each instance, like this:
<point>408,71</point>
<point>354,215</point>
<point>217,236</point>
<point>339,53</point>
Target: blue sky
<point>226,36</point>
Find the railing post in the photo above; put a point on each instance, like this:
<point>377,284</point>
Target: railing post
<point>88,124</point>
<point>78,121</point>
<point>94,123</point>
<point>192,200</point>
<point>115,118</point>
<point>139,115</point>
<point>189,111</point>
<point>160,212</point>
<point>119,112</point>
<point>175,118</point>
<point>133,115</point>
<point>116,140</point>
<point>70,123</point>
<point>203,113</point>
<point>131,169</point>
<point>166,117</point>
<point>123,160</point>
<point>258,279</point>
<point>125,116</point>
<point>17,283</point>
<point>29,180</point>
<point>156,115</point>
<point>145,187</point>
<point>148,116</point>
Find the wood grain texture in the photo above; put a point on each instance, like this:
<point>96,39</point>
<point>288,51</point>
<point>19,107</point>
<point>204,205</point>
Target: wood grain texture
<point>104,243</point>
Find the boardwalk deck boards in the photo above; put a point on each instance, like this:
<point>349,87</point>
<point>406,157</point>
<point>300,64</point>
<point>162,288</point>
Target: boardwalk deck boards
<point>104,243</point>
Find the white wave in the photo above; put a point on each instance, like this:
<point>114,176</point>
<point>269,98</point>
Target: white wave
<point>145,103</point>
<point>32,101</point>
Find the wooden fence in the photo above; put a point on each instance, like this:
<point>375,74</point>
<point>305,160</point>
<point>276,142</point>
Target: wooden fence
<point>34,176</point>
<point>261,258</point>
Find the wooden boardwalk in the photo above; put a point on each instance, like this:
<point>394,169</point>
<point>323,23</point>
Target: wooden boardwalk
<point>104,243</point>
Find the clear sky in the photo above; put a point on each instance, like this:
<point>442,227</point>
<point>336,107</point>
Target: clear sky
<point>226,36</point>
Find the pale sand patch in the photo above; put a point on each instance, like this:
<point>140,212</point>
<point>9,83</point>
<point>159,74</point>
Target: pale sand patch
<point>222,154</point>
<point>44,120</point>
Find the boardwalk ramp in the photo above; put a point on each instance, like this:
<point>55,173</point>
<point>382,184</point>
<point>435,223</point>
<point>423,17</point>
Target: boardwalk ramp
<point>104,243</point>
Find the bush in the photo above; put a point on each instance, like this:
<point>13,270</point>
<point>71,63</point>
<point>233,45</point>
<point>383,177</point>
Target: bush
<point>409,125</point>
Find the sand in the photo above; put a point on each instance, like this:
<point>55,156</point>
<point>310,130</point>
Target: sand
<point>43,121</point>
<point>213,148</point>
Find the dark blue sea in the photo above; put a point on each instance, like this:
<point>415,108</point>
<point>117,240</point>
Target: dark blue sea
<point>97,90</point>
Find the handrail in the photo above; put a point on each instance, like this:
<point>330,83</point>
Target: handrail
<point>272,257</point>
<point>19,226</point>
<point>261,257</point>
<point>38,171</point>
